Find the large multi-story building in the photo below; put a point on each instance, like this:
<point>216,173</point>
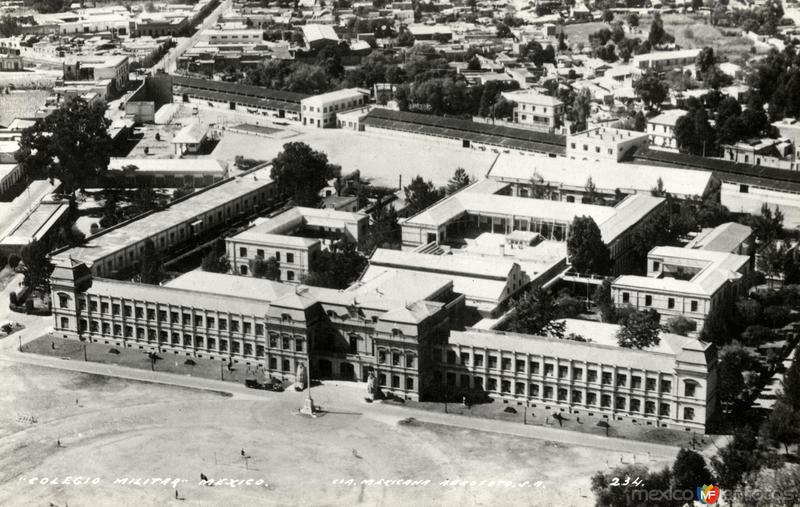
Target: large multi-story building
<point>98,68</point>
<point>537,110</point>
<point>388,325</point>
<point>664,60</point>
<point>320,110</point>
<point>117,249</point>
<point>294,238</point>
<point>487,206</point>
<point>671,385</point>
<point>691,282</point>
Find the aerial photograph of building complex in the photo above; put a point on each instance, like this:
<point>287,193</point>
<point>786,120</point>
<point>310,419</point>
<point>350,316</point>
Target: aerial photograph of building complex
<point>423,252</point>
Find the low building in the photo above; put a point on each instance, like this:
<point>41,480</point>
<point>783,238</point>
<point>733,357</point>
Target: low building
<point>320,110</point>
<point>567,180</point>
<point>665,60</point>
<point>10,175</point>
<point>672,385</point>
<point>190,138</point>
<point>11,61</point>
<point>439,33</point>
<point>688,282</point>
<point>37,224</point>
<point>165,172</point>
<point>294,238</point>
<point>98,68</point>
<point>318,36</point>
<point>789,128</point>
<point>768,152</point>
<point>115,251</point>
<point>537,110</point>
<point>661,130</point>
<point>731,237</point>
<point>604,143</point>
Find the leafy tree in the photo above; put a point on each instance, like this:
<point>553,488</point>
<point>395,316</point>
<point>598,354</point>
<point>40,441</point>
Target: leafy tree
<point>535,313</point>
<point>337,267</point>
<point>694,134</point>
<point>790,387</point>
<point>37,267</point>
<point>719,326</point>
<point>71,144</point>
<point>632,19</point>
<point>215,263</point>
<point>421,194</point>
<point>459,180</point>
<point>579,110</point>
<point>767,226</point>
<point>736,459</point>
<point>405,39</point>
<point>651,89</point>
<point>265,268</point>
<point>384,231</point>
<point>755,336</point>
<point>569,307</point>
<point>301,173</point>
<point>681,325</point>
<point>585,247</point>
<point>641,329</point>
<point>759,487</point>
<point>705,60</point>
<point>602,298</point>
<point>782,426</point>
<point>657,33</point>
<point>733,361</point>
<point>474,64</point>
<point>608,16</point>
<point>690,470</point>
<point>150,270</point>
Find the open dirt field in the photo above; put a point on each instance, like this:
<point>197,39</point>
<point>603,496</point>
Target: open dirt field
<point>114,429</point>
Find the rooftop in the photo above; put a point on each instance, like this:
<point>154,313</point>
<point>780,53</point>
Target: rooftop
<point>607,175</point>
<point>608,134</point>
<point>192,133</point>
<point>668,117</point>
<point>121,237</point>
<point>335,95</point>
<point>532,97</point>
<point>177,165</point>
<point>723,238</point>
<point>319,32</point>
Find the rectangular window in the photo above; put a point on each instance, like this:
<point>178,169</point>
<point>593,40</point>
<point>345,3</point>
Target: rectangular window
<point>451,357</point>
<point>103,307</point>
<point>409,383</point>
<point>210,321</point>
<point>115,309</point>
<point>648,300</point>
<point>505,364</point>
<point>198,320</point>
<point>591,376</point>
<point>548,392</point>
<point>534,389</point>
<point>234,326</point>
<point>694,306</point>
<point>656,265</point>
<point>128,310</point>
<point>492,362</point>
<point>606,379</point>
<point>242,251</point>
<point>620,405</point>
<point>493,384</point>
<point>577,373</point>
<point>548,370</point>
<point>650,384</point>
<point>636,405</point>
<point>671,303</point>
<point>520,366</point>
<point>626,297</point>
<point>519,388</point>
<point>223,324</point>
<point>505,386</point>
<point>622,380</point>
<point>151,314</point>
<point>688,413</point>
<point>591,398</point>
<point>478,360</point>
<point>666,386</point>
<point>577,397</point>
<point>290,258</point>
<point>563,371</point>
<point>465,358</point>
<point>636,382</point>
<point>663,410</point>
<point>689,388</point>
<point>649,407</point>
<point>259,329</point>
<point>287,343</point>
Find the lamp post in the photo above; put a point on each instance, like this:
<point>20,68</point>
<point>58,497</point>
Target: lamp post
<point>308,403</point>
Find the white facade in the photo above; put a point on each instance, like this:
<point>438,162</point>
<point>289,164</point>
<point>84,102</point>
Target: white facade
<point>536,110</point>
<point>661,130</point>
<point>320,110</point>
<point>604,143</point>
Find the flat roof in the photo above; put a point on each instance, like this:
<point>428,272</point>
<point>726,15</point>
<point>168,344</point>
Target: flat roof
<point>668,117</point>
<point>504,137</point>
<point>259,92</point>
<point>532,97</point>
<point>37,223</point>
<point>766,177</point>
<point>607,175</point>
<point>475,266</point>
<point>178,165</point>
<point>118,238</point>
<point>723,238</point>
<point>336,95</point>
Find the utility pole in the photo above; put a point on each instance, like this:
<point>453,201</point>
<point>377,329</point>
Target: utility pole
<point>84,352</point>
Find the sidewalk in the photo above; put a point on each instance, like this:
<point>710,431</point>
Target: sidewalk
<point>348,397</point>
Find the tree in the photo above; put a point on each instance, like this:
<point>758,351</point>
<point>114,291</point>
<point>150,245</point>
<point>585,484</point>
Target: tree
<point>300,172</point>
<point>681,325</point>
<point>215,263</point>
<point>633,19</point>
<point>591,195</point>
<point>421,194</point>
<point>602,298</point>
<point>790,387</point>
<point>37,267</point>
<point>384,231</point>
<point>705,60</point>
<point>608,16</point>
<point>150,270</point>
<point>651,89</point>
<point>733,361</point>
<point>657,33</point>
<point>474,64</point>
<point>71,144</point>
<point>578,112</point>
<point>755,336</point>
<point>770,261</point>
<point>337,267</point>
<point>585,247</point>
<point>759,489</point>
<point>610,492</point>
<point>641,329</point>
<point>690,470</point>
<point>736,459</point>
<point>459,180</point>
<point>535,313</point>
<point>265,268</point>
<point>782,426</point>
<point>405,39</point>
